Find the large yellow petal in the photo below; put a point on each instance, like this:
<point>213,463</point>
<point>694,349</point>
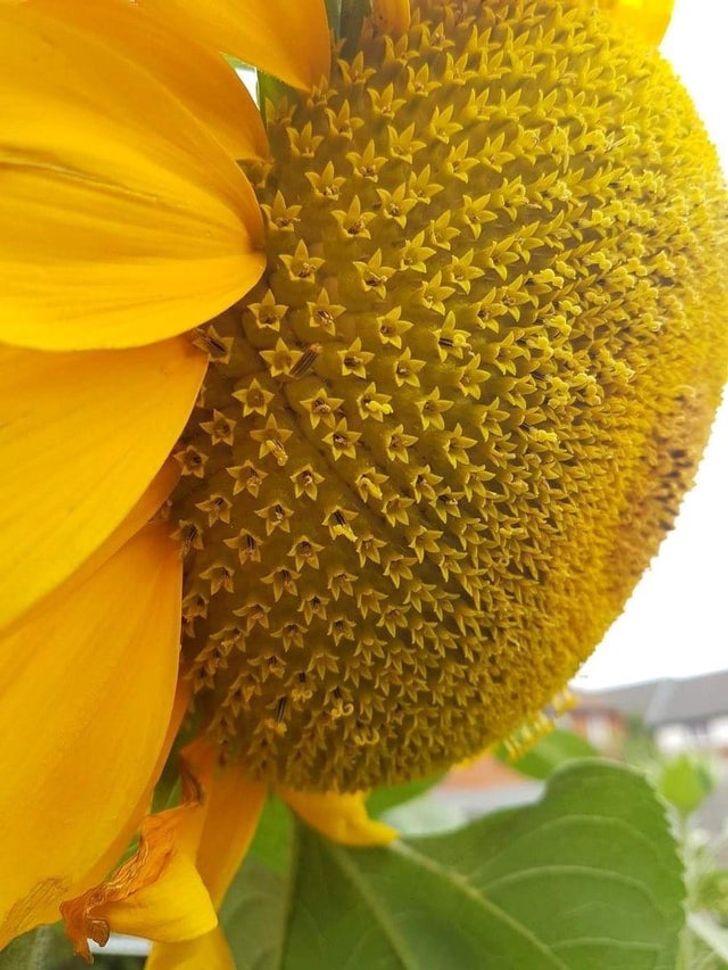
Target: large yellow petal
<point>81,436</point>
<point>156,494</point>
<point>392,16</point>
<point>289,40</point>
<point>341,818</point>
<point>197,75</point>
<point>87,690</point>
<point>123,220</point>
<point>106,862</point>
<point>650,18</point>
<point>145,508</point>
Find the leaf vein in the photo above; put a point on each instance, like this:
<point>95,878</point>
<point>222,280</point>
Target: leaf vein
<point>463,886</point>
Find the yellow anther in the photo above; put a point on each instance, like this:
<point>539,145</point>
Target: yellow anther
<point>272,438</point>
<point>217,508</point>
<point>247,478</point>
<point>247,545</point>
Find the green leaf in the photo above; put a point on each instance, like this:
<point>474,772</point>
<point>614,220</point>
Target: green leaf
<point>32,951</point>
<point>556,749</point>
<point>587,879</point>
<point>48,948</point>
<point>254,916</point>
<point>426,816</point>
<point>686,781</point>
<point>272,842</point>
<point>270,91</point>
<point>383,799</point>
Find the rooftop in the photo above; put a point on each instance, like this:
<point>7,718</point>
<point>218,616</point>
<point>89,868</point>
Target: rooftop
<point>660,702</point>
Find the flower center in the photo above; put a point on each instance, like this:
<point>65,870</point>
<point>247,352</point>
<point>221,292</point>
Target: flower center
<point>439,443</point>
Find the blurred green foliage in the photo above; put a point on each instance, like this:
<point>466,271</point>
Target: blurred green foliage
<point>686,781</point>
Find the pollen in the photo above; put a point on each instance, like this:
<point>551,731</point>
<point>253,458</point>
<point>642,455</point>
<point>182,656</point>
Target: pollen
<point>439,443</point>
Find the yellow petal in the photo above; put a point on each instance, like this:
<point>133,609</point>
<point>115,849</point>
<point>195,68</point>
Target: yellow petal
<point>106,862</point>
<point>232,818</point>
<point>289,40</point>
<point>341,818</point>
<point>186,822</point>
<point>198,76</point>
<point>123,220</point>
<point>210,952</point>
<point>88,685</point>
<point>650,18</point>
<point>153,498</point>
<point>232,805</point>
<point>81,435</point>
<point>392,16</point>
<point>157,893</point>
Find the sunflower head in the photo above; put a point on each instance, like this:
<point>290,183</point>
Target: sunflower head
<point>441,440</point>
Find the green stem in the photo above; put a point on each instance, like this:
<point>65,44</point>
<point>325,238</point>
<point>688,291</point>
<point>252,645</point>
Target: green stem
<point>333,11</point>
<point>351,19</point>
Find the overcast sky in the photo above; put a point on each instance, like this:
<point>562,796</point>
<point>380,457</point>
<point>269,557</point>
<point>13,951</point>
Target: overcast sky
<point>676,624</point>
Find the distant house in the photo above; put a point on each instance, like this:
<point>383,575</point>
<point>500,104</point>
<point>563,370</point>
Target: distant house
<point>680,715</point>
<point>691,713</point>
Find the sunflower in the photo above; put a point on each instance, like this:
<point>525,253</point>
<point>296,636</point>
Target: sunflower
<point>379,408</point>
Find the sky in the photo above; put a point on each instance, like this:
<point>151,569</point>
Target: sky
<point>676,624</point>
